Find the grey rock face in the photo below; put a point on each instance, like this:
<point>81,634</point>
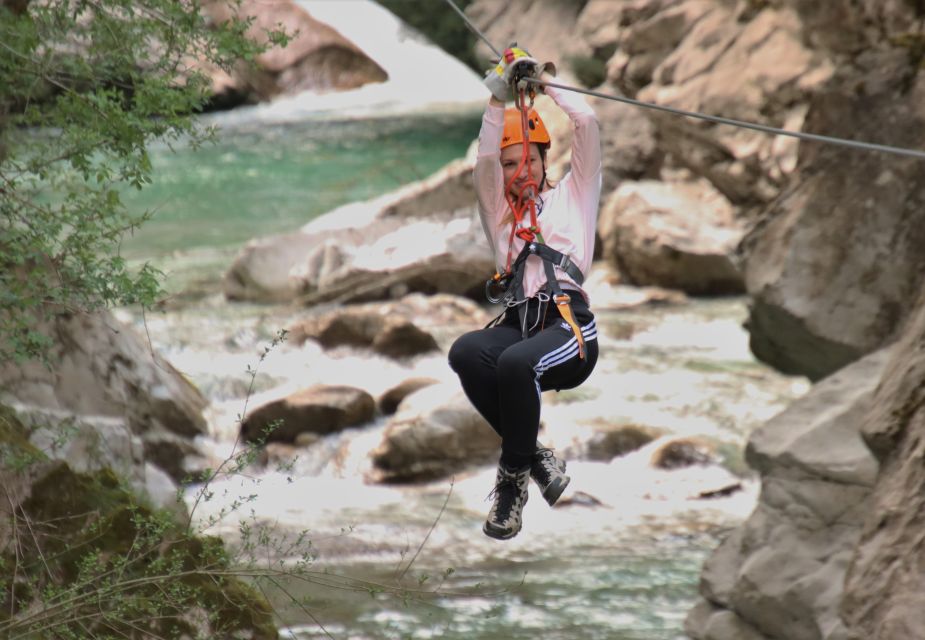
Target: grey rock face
<point>780,574</point>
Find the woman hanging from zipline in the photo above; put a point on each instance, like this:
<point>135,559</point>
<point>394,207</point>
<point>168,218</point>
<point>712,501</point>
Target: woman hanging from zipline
<point>542,236</point>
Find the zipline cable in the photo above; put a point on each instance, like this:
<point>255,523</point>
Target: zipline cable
<point>812,137</point>
<point>815,137</point>
<point>473,28</point>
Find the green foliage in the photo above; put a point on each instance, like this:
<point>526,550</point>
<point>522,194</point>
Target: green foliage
<point>16,452</point>
<point>82,557</point>
<point>442,26</point>
<point>87,86</point>
<point>590,71</point>
<point>103,566</point>
<point>914,43</point>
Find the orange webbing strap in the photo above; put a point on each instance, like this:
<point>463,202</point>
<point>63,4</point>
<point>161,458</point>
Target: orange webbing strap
<point>528,189</point>
<point>565,310</point>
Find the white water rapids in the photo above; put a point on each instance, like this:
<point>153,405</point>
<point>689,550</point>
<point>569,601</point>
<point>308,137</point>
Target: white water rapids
<point>621,563</point>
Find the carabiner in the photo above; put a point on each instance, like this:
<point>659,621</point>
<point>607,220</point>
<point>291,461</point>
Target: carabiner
<point>496,287</point>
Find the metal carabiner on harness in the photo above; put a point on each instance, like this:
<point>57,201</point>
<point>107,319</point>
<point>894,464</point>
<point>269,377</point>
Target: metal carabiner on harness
<point>496,287</point>
<point>522,91</point>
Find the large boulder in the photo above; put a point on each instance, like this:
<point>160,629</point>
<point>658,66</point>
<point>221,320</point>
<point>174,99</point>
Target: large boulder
<point>88,443</point>
<point>454,258</point>
<point>883,597</point>
<point>779,575</point>
<point>435,433</point>
<point>675,235</point>
<point>269,268</point>
<point>317,57</point>
<point>64,531</point>
<point>319,410</point>
<point>835,263</point>
<point>372,250</point>
<point>100,370</point>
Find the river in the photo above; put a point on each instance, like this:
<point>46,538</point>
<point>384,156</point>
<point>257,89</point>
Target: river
<point>622,562</point>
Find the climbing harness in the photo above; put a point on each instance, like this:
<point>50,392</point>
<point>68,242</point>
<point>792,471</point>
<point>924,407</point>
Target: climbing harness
<point>507,287</point>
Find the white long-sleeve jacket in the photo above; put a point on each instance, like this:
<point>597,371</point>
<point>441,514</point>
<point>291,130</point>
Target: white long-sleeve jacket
<point>568,219</point>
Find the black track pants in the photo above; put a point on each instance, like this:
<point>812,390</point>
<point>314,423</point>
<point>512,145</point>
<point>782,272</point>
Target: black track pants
<point>503,373</point>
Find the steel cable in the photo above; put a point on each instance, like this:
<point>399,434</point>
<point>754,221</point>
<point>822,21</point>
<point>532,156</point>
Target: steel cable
<point>812,137</point>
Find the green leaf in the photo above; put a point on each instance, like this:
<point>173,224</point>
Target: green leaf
<point>87,87</point>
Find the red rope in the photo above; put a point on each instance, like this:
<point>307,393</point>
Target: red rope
<point>525,196</point>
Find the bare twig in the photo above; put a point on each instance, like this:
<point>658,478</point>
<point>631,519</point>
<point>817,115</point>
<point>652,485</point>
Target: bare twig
<point>433,525</point>
<point>301,606</point>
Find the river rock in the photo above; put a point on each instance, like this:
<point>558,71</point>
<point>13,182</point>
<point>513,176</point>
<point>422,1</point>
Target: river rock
<point>388,402</point>
<point>375,325</point>
<point>372,250</point>
<point>100,367</point>
<point>448,190</point>
<point>354,325</point>
<point>455,259</point>
<point>103,443</point>
<point>58,518</point>
<point>675,453</point>
<point>610,441</point>
<point>403,339</point>
<point>320,409</point>
<point>679,236</point>
<point>263,271</point>
<point>780,573</point>
<point>435,433</point>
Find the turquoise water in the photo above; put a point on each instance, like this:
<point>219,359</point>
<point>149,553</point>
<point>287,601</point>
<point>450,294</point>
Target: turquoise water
<point>615,593</point>
<point>575,573</point>
<point>261,180</point>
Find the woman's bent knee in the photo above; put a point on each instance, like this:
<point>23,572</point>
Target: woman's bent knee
<point>463,352</point>
<point>515,363</point>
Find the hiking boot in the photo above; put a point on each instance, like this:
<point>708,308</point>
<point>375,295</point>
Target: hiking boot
<point>549,473</point>
<point>510,494</point>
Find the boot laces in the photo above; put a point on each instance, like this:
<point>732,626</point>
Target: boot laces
<point>505,494</point>
<point>546,465</point>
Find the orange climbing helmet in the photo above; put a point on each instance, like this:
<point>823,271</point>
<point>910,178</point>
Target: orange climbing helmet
<point>513,128</point>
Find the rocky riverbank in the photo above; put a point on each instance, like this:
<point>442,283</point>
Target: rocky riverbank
<point>825,241</point>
